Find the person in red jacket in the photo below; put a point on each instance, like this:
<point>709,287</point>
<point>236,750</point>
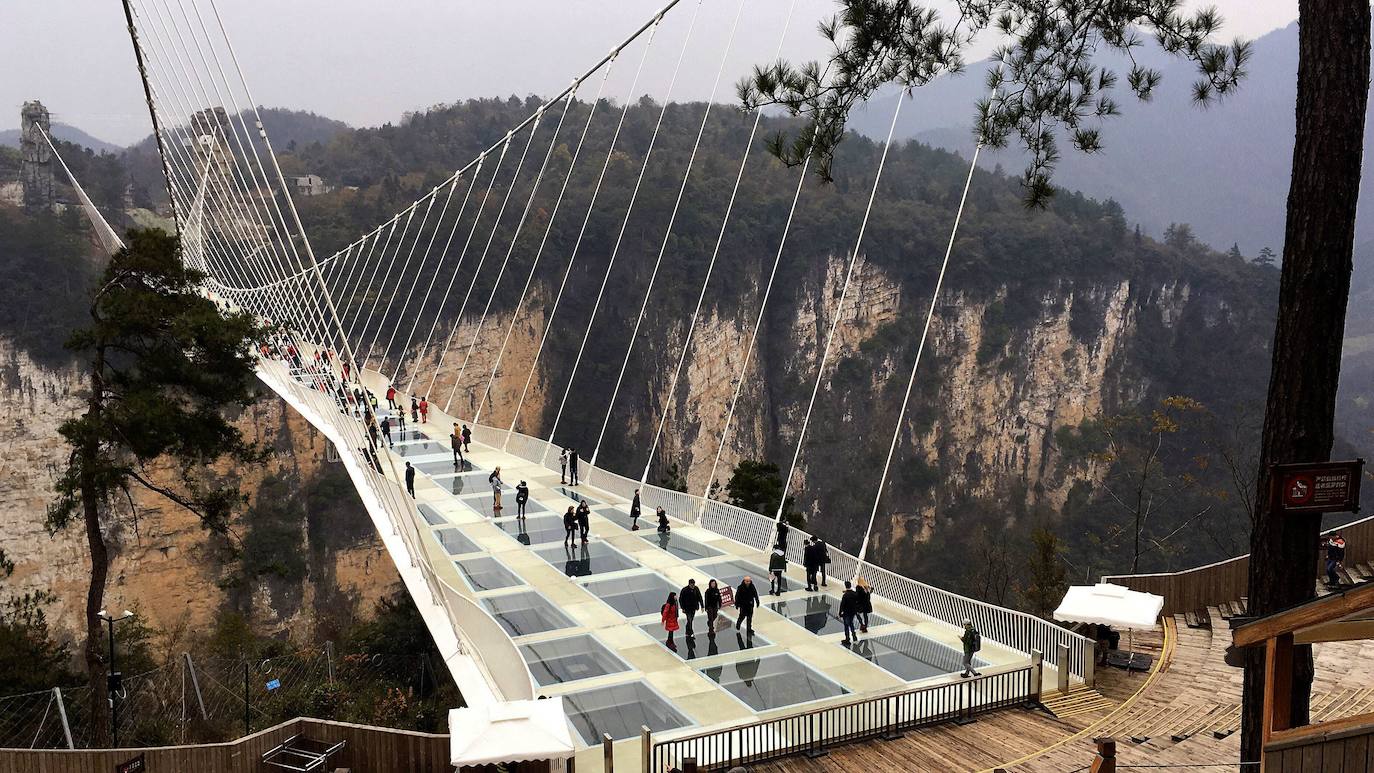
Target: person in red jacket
<point>424,409</point>
<point>669,614</point>
<point>391,397</point>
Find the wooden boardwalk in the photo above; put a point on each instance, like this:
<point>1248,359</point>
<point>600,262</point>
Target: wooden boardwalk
<point>1186,711</point>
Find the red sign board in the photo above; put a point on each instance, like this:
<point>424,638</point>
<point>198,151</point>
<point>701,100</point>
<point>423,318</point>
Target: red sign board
<point>1325,487</point>
<point>727,596</point>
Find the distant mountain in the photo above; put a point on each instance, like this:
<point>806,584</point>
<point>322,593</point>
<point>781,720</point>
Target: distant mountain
<point>1223,169</point>
<point>62,131</point>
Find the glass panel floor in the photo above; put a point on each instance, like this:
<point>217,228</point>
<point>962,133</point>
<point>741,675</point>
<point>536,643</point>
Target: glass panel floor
<point>578,496</point>
<point>432,516</point>
<point>912,656</point>
<point>587,559</point>
<point>570,659</point>
<point>731,573</point>
<point>525,613</point>
<point>445,467</point>
<point>683,547</point>
<point>486,573</point>
<point>639,594</point>
<point>470,483</point>
<point>819,614</point>
<point>772,682</point>
<point>455,542</point>
<point>418,449</point>
<point>722,639</point>
<point>619,711</point>
<point>534,530</point>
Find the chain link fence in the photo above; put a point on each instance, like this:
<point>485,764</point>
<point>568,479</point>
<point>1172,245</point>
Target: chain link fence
<point>207,699</point>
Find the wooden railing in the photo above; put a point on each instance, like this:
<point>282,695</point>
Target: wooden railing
<point>1193,589</point>
<point>1343,744</point>
<point>365,748</point>
<point>813,732</point>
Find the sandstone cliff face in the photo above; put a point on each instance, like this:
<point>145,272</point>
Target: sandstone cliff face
<point>165,565</point>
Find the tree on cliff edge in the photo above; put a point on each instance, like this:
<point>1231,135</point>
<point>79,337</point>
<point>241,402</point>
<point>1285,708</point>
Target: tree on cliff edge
<point>1045,82</point>
<point>162,364</point>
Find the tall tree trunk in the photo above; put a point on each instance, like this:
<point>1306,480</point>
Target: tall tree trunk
<point>1319,238</point>
<point>96,667</point>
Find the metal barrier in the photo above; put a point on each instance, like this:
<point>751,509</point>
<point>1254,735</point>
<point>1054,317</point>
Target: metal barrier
<point>1017,630</point>
<point>813,732</point>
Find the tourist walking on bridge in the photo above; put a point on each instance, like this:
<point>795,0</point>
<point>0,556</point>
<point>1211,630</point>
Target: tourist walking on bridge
<point>973,641</point>
<point>777,564</point>
<point>668,612</point>
<point>563,467</point>
<point>634,512</point>
<point>584,519</point>
<point>663,525</point>
<point>467,439</point>
<point>849,609</point>
<point>712,605</point>
<point>811,562</point>
<point>391,397</point>
<point>522,495</point>
<point>401,423</point>
<point>689,598</point>
<point>746,598</point>
<point>1335,558</point>
<point>824,553</point>
<point>386,431</point>
<point>414,409</point>
<point>569,527</point>
<point>424,409</point>
<point>864,593</point>
<point>572,466</point>
<point>457,443</point>
<point>495,480</point>
<point>410,480</point>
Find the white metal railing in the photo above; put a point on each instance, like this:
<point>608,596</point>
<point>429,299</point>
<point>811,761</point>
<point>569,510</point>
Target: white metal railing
<point>478,635</point>
<point>1014,629</point>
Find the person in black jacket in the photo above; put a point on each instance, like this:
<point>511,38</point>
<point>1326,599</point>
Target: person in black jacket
<point>782,536</point>
<point>689,601</point>
<point>746,598</point>
<point>811,561</point>
<point>410,480</point>
<point>467,438</point>
<point>572,466</point>
<point>824,553</point>
<point>712,605</point>
<point>634,512</point>
<point>849,609</point>
<point>522,495</point>
<point>584,519</point>
<point>864,593</point>
<point>570,527</point>
<point>663,524</point>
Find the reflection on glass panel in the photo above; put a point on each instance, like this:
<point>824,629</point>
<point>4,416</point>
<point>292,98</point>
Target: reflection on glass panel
<point>525,613</point>
<point>431,515</point>
<point>455,542</point>
<point>534,531</point>
<point>683,547</point>
<point>619,711</point>
<point>567,660</point>
<point>418,449</point>
<point>486,573</point>
<point>586,559</point>
<point>470,483</point>
<point>708,641</point>
<point>912,656</point>
<point>818,614</point>
<point>445,467</point>
<point>578,496</point>
<point>639,594</point>
<point>772,682</point>
<point>732,573</point>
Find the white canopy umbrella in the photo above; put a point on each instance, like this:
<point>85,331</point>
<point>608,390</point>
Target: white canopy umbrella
<point>1109,604</point>
<point>517,731</point>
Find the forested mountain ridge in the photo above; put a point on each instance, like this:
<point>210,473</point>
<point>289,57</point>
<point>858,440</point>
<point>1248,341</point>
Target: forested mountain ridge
<point>1053,326</point>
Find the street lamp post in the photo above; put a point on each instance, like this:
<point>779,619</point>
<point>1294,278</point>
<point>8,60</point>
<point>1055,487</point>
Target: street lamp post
<point>114,681</point>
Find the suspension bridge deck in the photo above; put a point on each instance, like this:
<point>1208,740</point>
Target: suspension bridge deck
<point>585,618</point>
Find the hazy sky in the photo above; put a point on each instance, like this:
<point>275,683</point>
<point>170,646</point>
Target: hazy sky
<point>368,61</point>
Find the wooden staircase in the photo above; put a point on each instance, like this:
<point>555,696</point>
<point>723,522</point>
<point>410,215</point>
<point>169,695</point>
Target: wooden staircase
<point>1080,699</point>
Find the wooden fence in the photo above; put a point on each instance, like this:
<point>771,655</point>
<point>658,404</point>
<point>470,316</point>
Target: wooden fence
<point>367,750</point>
<point>1193,589</point>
